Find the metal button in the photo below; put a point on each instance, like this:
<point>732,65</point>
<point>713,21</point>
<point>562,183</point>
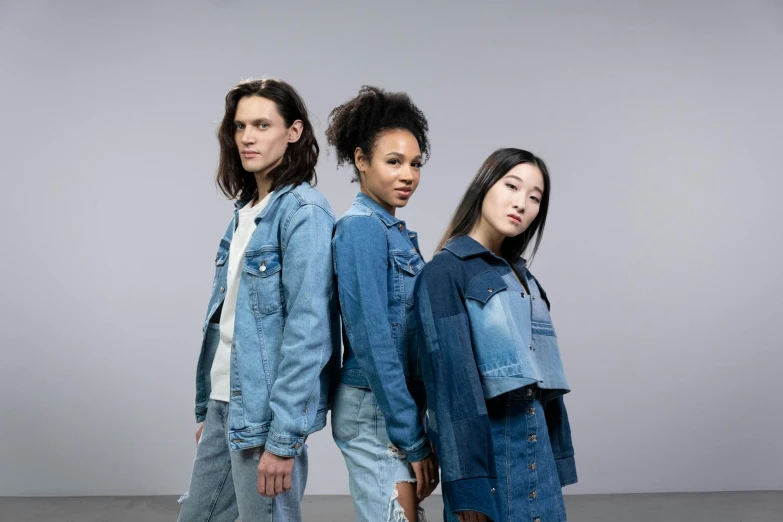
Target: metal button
<point>536,520</point>
<point>534,298</point>
<point>529,391</point>
<point>532,466</point>
<point>522,294</point>
<point>222,289</point>
<point>401,227</point>
<point>263,266</point>
<point>533,495</point>
<point>236,394</point>
<point>493,491</point>
<point>296,446</point>
<point>532,438</point>
<point>531,411</point>
<point>531,347</point>
<point>490,289</point>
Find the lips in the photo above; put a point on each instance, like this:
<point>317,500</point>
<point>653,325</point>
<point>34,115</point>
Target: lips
<point>515,219</point>
<point>249,153</point>
<point>404,192</point>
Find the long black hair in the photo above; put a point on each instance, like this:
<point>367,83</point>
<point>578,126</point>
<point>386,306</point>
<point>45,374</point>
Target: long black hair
<point>468,211</point>
<point>359,121</point>
<point>299,161</point>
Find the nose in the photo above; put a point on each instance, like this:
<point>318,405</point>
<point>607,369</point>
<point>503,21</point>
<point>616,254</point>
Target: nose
<point>406,175</point>
<point>247,136</point>
<point>519,205</point>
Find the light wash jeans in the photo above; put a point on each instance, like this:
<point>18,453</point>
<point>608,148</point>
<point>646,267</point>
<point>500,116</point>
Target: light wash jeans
<point>375,465</point>
<point>224,484</point>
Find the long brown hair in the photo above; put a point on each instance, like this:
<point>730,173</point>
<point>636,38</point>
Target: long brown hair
<point>468,211</point>
<point>299,161</point>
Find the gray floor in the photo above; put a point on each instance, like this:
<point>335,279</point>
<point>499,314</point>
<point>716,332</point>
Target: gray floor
<point>757,506</point>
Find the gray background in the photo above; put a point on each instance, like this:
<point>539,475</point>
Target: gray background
<point>660,122</point>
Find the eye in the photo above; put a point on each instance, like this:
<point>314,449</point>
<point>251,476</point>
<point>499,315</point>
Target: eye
<point>263,125</point>
<point>416,164</point>
<point>393,161</point>
<point>240,126</point>
<point>535,198</point>
<point>511,186</point>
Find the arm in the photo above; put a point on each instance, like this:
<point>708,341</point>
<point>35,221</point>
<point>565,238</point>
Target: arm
<point>560,438</point>
<point>306,348</point>
<point>458,422</point>
<point>361,265</point>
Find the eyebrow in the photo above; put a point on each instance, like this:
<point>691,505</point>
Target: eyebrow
<point>399,154</point>
<point>255,122</point>
<point>520,180</point>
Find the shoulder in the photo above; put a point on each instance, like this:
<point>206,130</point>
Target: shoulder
<point>355,222</point>
<point>304,195</point>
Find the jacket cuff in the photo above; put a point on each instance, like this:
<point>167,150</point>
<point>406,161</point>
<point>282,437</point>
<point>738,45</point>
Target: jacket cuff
<point>284,445</point>
<point>420,452</point>
<point>201,415</point>
<point>566,471</point>
<point>474,494</point>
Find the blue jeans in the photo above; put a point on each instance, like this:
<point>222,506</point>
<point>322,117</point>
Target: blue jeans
<point>528,485</point>
<point>224,484</point>
<point>375,465</point>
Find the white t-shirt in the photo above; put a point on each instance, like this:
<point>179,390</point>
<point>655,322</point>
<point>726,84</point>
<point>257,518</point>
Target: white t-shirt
<point>221,366</point>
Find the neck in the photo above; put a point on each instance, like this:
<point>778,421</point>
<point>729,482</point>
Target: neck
<point>487,236</point>
<point>263,183</point>
<point>390,209</point>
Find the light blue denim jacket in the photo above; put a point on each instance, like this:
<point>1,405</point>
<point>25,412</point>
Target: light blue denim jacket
<point>286,345</point>
<point>376,261</point>
<point>485,335</point>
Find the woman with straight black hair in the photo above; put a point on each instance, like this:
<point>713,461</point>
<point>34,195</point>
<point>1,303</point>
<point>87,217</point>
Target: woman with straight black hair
<point>489,356</point>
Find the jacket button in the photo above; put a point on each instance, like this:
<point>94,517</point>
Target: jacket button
<point>529,391</point>
<point>522,294</point>
<point>536,520</point>
<point>493,491</point>
<point>263,266</point>
<point>401,227</point>
<point>532,466</point>
<point>533,495</point>
<point>222,289</point>
<point>490,289</point>
<point>532,438</point>
<point>531,411</point>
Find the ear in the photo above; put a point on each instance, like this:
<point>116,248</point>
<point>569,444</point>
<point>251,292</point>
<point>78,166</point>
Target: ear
<point>295,131</point>
<point>361,160</point>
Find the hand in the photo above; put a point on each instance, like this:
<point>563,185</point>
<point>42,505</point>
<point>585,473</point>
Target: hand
<point>274,474</point>
<point>198,432</point>
<point>471,516</point>
<point>427,479</point>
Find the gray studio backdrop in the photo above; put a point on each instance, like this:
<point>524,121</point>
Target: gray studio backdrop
<point>661,124</point>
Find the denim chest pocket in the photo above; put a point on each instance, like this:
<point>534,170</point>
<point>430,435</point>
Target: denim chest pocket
<point>485,286</point>
<point>220,261</point>
<point>407,267</point>
<point>264,277</point>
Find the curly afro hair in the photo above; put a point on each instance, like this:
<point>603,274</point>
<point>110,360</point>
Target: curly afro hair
<point>359,122</point>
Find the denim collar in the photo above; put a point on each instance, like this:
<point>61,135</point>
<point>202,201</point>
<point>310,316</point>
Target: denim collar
<point>276,194</point>
<point>383,214</point>
<point>465,247</point>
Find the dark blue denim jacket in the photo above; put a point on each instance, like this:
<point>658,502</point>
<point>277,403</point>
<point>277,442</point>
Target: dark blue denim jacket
<point>376,262</point>
<point>285,353</point>
<point>484,335</point>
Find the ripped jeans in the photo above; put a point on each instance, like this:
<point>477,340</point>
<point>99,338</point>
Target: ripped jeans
<point>375,465</point>
<point>224,484</point>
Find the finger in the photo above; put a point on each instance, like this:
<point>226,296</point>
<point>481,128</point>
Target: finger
<point>279,484</point>
<point>461,516</point>
<point>270,485</point>
<point>261,484</point>
<point>287,481</point>
<point>482,517</point>
<point>419,480</point>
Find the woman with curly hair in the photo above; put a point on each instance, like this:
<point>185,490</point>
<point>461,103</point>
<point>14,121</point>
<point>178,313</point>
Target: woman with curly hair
<point>378,406</point>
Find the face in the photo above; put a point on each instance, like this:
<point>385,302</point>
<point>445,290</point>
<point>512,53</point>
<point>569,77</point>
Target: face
<point>512,203</point>
<point>393,174</point>
<point>261,134</point>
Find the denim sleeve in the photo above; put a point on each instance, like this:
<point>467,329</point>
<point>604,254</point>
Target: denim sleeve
<point>361,265</point>
<point>560,438</point>
<point>306,348</point>
<point>457,412</point>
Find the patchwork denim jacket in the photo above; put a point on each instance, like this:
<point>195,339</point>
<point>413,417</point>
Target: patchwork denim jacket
<point>484,335</point>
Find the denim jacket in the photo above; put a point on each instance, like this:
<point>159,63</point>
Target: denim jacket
<point>286,331</point>
<point>377,261</point>
<point>483,336</point>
